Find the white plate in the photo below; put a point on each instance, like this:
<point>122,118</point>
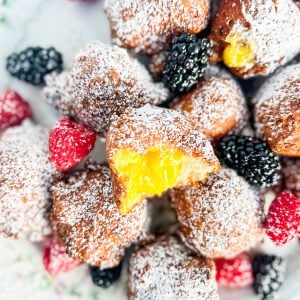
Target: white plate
<point>68,25</point>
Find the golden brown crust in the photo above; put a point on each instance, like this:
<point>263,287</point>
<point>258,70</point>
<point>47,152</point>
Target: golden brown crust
<point>88,221</point>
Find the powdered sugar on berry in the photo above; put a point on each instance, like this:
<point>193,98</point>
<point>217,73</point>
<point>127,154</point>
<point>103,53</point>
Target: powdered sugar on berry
<point>13,109</point>
<point>55,259</point>
<point>234,272</point>
<point>26,176</point>
<point>283,220</point>
<point>69,143</point>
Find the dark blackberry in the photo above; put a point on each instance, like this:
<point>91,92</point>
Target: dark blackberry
<point>105,278</point>
<point>251,158</point>
<point>186,62</point>
<point>32,64</point>
<point>268,273</point>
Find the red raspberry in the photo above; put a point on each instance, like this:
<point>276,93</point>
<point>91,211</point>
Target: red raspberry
<point>69,143</point>
<point>55,259</point>
<point>283,220</point>
<point>13,109</point>
<point>234,272</point>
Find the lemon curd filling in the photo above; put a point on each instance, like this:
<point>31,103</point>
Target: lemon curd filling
<point>147,174</point>
<point>238,53</point>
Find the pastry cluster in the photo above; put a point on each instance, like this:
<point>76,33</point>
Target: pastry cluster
<point>184,136</point>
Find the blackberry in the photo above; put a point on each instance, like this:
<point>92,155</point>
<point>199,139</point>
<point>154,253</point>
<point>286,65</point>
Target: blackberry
<point>251,158</point>
<point>186,62</point>
<point>268,273</point>
<point>32,64</point>
<point>105,278</point>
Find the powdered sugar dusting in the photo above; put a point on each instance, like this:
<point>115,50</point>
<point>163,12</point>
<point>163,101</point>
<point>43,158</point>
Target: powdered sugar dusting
<point>290,172</point>
<point>13,109</point>
<point>89,221</point>
<point>274,29</point>
<point>55,259</point>
<point>26,176</point>
<point>283,220</point>
<point>165,269</point>
<point>234,272</point>
<point>139,129</point>
<point>149,25</point>
<point>56,91</point>
<point>216,106</point>
<point>222,217</point>
<point>103,81</point>
<point>278,100</point>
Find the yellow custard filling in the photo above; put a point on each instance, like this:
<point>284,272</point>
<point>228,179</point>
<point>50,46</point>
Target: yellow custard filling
<point>238,53</point>
<point>155,171</point>
<point>147,174</point>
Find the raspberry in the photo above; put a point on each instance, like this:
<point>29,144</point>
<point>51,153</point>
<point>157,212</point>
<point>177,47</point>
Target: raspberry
<point>234,272</point>
<point>105,278</point>
<point>55,258</point>
<point>69,143</point>
<point>283,220</point>
<point>13,109</point>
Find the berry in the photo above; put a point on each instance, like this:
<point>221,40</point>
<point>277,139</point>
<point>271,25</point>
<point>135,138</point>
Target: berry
<point>69,143</point>
<point>283,220</point>
<point>186,62</point>
<point>34,63</point>
<point>268,273</point>
<point>234,272</point>
<point>105,278</point>
<point>251,158</point>
<point>13,109</point>
<point>55,259</point>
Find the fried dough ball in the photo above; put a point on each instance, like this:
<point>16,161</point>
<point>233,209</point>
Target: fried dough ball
<point>255,37</point>
<point>103,81</point>
<point>220,218</point>
<point>165,269</point>
<point>26,175</point>
<point>88,220</point>
<point>277,111</point>
<point>150,25</point>
<point>152,149</point>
